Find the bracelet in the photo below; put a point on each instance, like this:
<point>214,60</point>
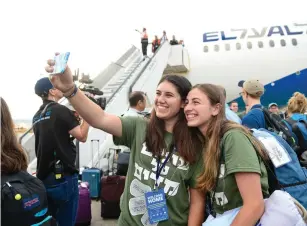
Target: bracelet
<point>73,93</point>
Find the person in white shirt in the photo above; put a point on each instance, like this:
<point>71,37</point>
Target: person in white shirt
<point>230,115</point>
<point>164,37</point>
<point>137,102</point>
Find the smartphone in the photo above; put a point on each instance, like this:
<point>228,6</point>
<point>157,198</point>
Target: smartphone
<point>60,63</point>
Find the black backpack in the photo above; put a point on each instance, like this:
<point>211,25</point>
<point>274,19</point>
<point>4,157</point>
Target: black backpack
<point>275,123</point>
<point>24,201</point>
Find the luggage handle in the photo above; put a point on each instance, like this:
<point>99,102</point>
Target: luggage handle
<point>92,150</point>
<point>112,170</point>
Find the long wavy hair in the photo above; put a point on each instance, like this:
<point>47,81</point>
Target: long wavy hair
<point>217,127</point>
<point>188,141</point>
<point>13,157</point>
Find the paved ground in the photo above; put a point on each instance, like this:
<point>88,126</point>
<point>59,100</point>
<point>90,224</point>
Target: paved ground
<point>96,218</point>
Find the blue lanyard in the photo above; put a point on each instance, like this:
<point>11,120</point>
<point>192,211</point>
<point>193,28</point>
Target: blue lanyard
<point>159,170</point>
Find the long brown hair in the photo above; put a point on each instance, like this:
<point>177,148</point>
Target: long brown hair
<point>188,141</point>
<point>13,157</point>
<point>217,127</point>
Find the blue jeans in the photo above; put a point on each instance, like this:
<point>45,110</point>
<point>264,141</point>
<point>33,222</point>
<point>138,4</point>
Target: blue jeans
<point>63,197</point>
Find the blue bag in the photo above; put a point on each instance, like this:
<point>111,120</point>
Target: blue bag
<point>298,126</point>
<point>290,176</point>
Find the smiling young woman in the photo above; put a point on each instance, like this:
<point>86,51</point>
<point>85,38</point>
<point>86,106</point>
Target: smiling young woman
<point>165,154</point>
<point>234,173</point>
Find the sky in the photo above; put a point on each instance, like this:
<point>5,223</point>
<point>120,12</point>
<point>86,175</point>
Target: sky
<point>98,32</point>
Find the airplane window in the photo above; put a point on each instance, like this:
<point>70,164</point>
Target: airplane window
<point>206,49</point>
<point>271,43</point>
<point>282,42</point>
<point>216,48</point>
<point>298,72</point>
<point>260,44</point>
<point>227,47</point>
<point>238,46</point>
<point>294,42</point>
<point>249,45</point>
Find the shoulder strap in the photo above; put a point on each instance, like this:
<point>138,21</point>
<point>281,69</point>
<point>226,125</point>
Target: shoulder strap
<point>267,118</point>
<point>44,112</point>
<point>303,121</point>
<point>45,108</point>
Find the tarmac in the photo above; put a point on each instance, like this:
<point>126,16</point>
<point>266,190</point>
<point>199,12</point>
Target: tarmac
<point>97,220</point>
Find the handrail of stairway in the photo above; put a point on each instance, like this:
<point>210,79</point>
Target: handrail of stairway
<point>126,55</point>
<point>123,83</point>
<point>144,68</point>
<point>23,135</point>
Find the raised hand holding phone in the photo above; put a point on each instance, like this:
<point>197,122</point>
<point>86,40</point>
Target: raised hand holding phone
<point>60,62</point>
<point>61,78</point>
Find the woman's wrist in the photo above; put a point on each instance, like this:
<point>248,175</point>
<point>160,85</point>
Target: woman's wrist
<point>71,91</point>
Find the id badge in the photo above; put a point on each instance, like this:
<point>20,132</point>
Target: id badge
<point>156,206</point>
<point>277,153</point>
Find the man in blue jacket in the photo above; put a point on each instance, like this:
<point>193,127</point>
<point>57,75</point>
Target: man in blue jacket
<point>252,90</point>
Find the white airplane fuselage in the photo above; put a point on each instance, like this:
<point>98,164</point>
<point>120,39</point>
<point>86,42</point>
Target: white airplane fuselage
<point>275,55</point>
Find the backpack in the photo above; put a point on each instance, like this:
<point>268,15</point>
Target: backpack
<point>299,129</point>
<point>24,201</point>
<point>283,168</point>
<point>275,123</point>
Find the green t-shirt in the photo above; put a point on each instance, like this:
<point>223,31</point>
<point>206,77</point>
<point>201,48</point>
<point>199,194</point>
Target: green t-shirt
<point>176,178</point>
<point>239,156</point>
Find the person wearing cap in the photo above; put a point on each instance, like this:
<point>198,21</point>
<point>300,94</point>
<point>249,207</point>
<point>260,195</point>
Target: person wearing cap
<point>56,153</point>
<point>273,107</point>
<point>252,90</point>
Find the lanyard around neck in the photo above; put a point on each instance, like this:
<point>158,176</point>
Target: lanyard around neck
<point>159,169</point>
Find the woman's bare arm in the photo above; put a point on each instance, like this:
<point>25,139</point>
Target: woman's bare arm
<point>197,207</point>
<point>253,204</point>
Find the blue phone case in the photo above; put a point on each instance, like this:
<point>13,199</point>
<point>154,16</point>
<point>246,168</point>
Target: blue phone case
<point>60,63</point>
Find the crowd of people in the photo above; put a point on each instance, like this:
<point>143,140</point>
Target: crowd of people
<point>193,151</point>
<point>156,42</point>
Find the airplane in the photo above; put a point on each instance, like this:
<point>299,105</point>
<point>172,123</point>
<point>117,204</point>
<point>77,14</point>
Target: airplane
<point>275,55</point>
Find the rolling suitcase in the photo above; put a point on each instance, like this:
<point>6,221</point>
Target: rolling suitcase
<point>93,175</point>
<point>123,163</point>
<point>84,214</point>
<point>112,188</point>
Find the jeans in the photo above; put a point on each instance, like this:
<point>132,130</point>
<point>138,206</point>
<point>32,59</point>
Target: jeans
<point>63,197</point>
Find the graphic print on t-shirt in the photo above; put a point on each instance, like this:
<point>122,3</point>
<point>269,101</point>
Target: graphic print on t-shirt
<point>220,197</point>
<point>169,180</point>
